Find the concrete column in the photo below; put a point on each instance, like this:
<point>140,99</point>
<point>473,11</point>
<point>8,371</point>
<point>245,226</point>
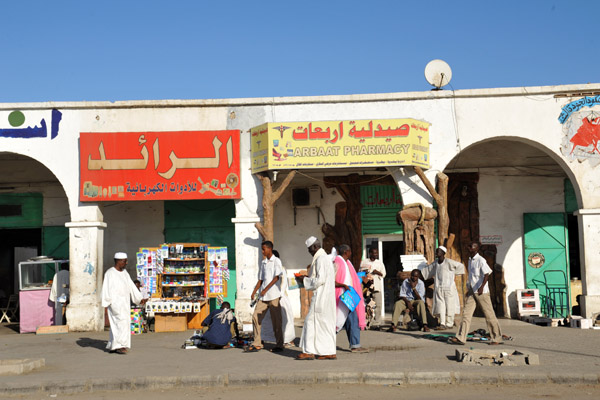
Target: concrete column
<point>589,251</point>
<point>85,312</point>
<point>247,252</point>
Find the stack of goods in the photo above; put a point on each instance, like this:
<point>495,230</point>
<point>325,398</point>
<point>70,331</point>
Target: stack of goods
<point>172,307</point>
<point>137,324</point>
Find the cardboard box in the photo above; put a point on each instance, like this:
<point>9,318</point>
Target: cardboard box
<point>49,330</point>
<point>170,322</point>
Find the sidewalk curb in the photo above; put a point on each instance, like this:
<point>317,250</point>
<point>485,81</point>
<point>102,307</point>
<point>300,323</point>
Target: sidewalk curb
<point>308,378</point>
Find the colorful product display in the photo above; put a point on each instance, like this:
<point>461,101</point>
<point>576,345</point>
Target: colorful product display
<point>137,322</point>
<point>218,271</point>
<point>149,263</point>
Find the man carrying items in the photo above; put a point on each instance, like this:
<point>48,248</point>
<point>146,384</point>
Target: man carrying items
<point>117,291</point>
<point>219,324</point>
<point>411,300</point>
<point>59,294</point>
<point>345,278</point>
<point>478,293</point>
<point>375,268</point>
<point>318,333</point>
<point>445,295</point>
<point>269,274</point>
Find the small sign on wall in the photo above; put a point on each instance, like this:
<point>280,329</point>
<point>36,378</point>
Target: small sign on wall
<point>491,239</point>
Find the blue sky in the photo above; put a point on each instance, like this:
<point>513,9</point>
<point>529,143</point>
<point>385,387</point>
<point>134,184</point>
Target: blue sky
<point>134,50</point>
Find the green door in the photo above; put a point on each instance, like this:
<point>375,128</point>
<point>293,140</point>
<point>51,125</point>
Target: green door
<point>546,262</point>
<point>204,221</point>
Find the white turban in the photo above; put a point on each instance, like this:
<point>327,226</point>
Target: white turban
<point>310,241</point>
<point>120,256</point>
<point>442,248</point>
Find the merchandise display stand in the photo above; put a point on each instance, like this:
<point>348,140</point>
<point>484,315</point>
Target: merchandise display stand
<point>181,287</point>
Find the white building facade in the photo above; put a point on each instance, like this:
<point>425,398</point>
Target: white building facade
<point>522,143</point>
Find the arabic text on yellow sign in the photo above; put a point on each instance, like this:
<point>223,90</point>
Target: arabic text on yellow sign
<point>340,144</point>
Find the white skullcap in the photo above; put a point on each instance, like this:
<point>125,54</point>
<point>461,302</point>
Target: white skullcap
<point>120,256</point>
<point>442,248</point>
<point>310,241</point>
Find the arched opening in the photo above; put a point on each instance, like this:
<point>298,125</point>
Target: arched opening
<point>33,211</point>
<point>518,200</point>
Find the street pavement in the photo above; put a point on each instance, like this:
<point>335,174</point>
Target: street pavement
<point>78,361</point>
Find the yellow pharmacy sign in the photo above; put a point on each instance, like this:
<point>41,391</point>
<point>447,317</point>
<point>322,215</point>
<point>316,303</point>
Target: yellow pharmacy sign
<point>340,144</point>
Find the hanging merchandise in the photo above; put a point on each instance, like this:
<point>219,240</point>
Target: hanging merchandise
<point>217,264</point>
<point>148,259</point>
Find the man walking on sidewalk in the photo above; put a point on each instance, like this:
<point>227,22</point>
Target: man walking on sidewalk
<point>270,274</point>
<point>345,279</point>
<point>318,333</point>
<point>478,293</point>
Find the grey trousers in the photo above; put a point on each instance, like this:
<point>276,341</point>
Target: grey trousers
<point>259,313</point>
<point>419,306</point>
<point>377,318</point>
<point>488,311</point>
<point>58,313</point>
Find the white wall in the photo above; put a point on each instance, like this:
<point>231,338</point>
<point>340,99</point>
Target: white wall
<point>502,202</point>
<point>131,225</point>
<point>290,238</point>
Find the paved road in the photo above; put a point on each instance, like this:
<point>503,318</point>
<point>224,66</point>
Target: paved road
<point>77,361</point>
<point>343,392</point>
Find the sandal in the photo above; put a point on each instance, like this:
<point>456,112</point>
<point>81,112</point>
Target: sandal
<point>252,349</point>
<point>305,356</point>
<point>454,340</point>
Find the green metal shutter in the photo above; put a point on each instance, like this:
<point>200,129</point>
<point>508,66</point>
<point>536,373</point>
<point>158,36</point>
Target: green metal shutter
<point>380,206</point>
<point>204,221</point>
<point>21,210</point>
<point>55,242</point>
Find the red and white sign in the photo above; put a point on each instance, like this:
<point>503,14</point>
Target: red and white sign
<point>185,165</point>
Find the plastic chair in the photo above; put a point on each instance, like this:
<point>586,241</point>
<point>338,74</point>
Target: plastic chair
<point>557,294</point>
<point>10,310</point>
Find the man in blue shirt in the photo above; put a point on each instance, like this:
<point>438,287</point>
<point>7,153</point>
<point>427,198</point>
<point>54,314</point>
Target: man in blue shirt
<point>219,323</point>
<point>411,299</point>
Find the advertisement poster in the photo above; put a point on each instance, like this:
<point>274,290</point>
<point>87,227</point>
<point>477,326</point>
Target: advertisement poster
<point>217,272</point>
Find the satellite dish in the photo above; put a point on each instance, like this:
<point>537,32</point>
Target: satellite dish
<point>438,73</point>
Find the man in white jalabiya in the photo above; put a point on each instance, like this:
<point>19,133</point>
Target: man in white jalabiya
<point>445,296</point>
<point>118,290</point>
<point>318,333</point>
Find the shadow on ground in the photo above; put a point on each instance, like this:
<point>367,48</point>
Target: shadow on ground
<point>94,343</point>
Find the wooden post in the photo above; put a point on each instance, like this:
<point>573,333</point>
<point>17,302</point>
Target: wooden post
<point>441,198</point>
<point>269,198</point>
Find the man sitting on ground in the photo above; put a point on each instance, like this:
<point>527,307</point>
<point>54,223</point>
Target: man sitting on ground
<point>411,300</point>
<point>219,324</point>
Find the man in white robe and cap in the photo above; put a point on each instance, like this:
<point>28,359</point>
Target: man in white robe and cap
<point>445,295</point>
<point>318,334</point>
<point>118,291</point>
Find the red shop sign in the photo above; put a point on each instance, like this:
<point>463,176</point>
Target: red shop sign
<point>185,165</point>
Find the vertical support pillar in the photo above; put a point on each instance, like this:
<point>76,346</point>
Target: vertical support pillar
<point>589,254</point>
<point>247,248</point>
<point>86,240</point>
